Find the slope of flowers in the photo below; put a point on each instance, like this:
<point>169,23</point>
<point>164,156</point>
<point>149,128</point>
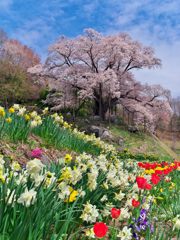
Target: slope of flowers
<point>80,198</point>
<point>81,192</point>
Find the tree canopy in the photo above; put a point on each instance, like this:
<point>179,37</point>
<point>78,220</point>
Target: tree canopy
<point>99,67</point>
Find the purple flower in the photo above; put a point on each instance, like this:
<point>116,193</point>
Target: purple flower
<point>135,235</point>
<point>138,228</point>
<point>143,226</point>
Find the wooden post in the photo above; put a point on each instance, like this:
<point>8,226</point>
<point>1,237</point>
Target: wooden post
<point>128,118</point>
<point>115,109</point>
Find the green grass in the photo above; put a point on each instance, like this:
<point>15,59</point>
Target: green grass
<point>138,143</point>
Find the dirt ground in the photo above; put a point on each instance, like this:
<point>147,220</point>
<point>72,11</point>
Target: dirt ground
<point>22,152</point>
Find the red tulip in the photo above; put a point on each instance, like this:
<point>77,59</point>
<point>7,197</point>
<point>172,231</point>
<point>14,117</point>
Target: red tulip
<point>115,213</point>
<point>141,182</point>
<point>155,179</point>
<point>166,171</point>
<point>148,186</point>
<point>135,203</point>
<point>160,172</point>
<point>140,164</point>
<point>100,229</point>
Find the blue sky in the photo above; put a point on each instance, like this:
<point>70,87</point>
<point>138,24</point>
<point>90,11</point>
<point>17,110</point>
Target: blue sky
<point>156,23</point>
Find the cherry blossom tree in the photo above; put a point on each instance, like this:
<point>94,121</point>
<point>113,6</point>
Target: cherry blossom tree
<point>97,65</point>
<point>3,37</point>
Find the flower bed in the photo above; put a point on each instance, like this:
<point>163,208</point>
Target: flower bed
<point>89,196</point>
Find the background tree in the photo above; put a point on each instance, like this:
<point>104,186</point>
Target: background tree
<point>3,37</point>
<point>92,59</point>
<point>16,84</point>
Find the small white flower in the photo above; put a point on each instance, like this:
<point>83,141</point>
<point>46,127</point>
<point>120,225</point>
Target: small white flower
<point>15,166</point>
<point>21,179</point>
<point>125,234</point>
<point>90,233</point>
<point>120,196</point>
<point>33,114</point>
<point>33,123</point>
<point>16,106</point>
<point>105,212</point>
<point>39,179</point>
<point>21,111</point>
<point>104,198</point>
<point>11,198</point>
<point>28,197</point>
<point>90,213</point>
<point>177,222</point>
<point>34,166</point>
<point>124,215</point>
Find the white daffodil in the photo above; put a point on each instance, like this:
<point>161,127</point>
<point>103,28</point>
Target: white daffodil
<point>16,106</point>
<point>12,198</point>
<point>125,234</point>
<point>28,197</point>
<point>33,123</point>
<point>120,196</point>
<point>176,222</point>
<point>90,213</point>
<point>34,166</point>
<point>104,198</point>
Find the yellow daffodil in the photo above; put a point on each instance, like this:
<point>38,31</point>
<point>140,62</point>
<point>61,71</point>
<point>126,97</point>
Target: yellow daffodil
<point>72,196</point>
<point>8,119</point>
<point>105,185</point>
<point>2,179</point>
<point>160,198</point>
<point>2,112</point>
<point>11,110</point>
<point>67,158</point>
<point>27,117</point>
<point>49,175</point>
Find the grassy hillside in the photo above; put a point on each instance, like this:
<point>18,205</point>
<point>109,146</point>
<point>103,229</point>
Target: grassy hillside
<point>138,143</point>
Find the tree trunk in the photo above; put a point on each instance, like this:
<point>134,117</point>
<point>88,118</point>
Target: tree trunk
<point>132,121</point>
<point>109,112</point>
<point>104,105</point>
<point>100,96</point>
<point>123,114</point>
<point>144,124</point>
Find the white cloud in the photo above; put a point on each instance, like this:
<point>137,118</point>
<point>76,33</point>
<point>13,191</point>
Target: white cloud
<point>158,28</point>
<point>5,4</point>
